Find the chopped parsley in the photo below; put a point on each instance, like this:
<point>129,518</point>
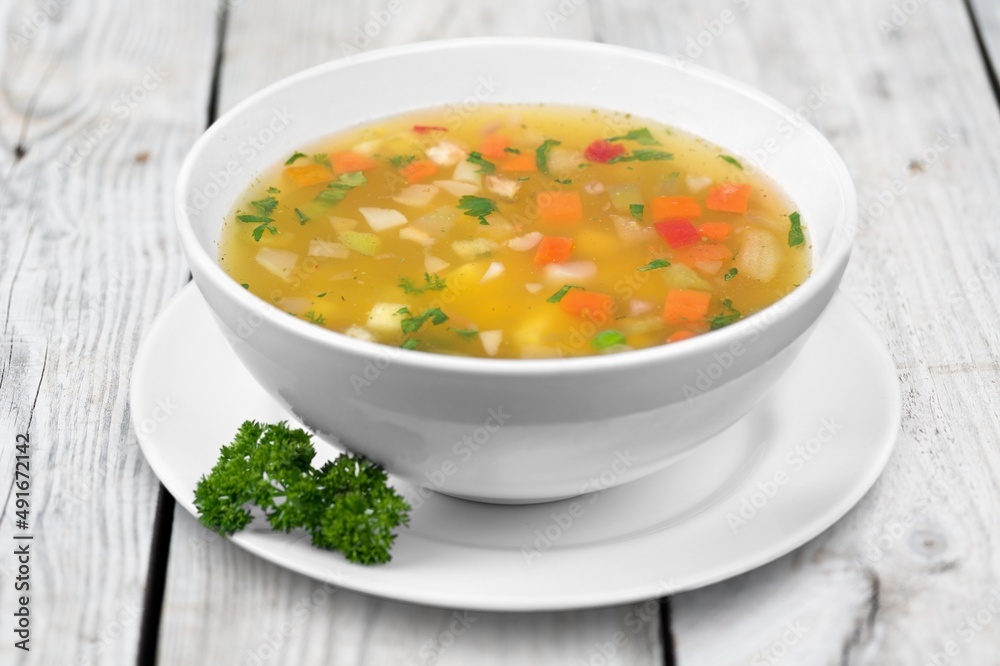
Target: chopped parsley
<point>296,155</point>
<point>725,319</point>
<point>563,182</point>
<point>466,333</point>
<point>245,285</point>
<point>314,318</point>
<point>485,166</point>
<point>412,324</point>
<point>302,216</point>
<point>795,235</point>
<point>636,210</point>
<point>477,207</point>
<point>732,160</point>
<point>730,274</point>
<point>400,161</point>
<point>642,155</point>
<point>606,339</point>
<point>266,205</point>
<point>542,154</point>
<point>515,151</point>
<point>321,295</point>
<point>321,158</point>
<point>558,296</point>
<point>273,190</point>
<point>410,343</point>
<point>345,505</point>
<point>263,222</point>
<point>338,189</point>
<point>654,264</point>
<point>431,283</point>
<point>642,135</point>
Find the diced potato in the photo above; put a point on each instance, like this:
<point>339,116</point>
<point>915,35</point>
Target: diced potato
<point>418,195</point>
<point>359,333</point>
<point>360,241</point>
<point>679,276</point>
<point>631,230</point>
<point>565,161</point>
<point>367,147</point>
<point>594,187</point>
<point>380,219</point>
<point>495,269</point>
<point>533,287</point>
<point>476,247</point>
<point>572,272</point>
<point>697,183</point>
<point>435,264</point>
<point>467,172</point>
<point>294,305</point>
<point>505,188</point>
<point>759,256</point>
<point>385,317</point>
<point>525,242</point>
<point>457,188</point>
<point>491,341</point>
<point>640,325</point>
<point>709,267</point>
<point>467,275</point>
<point>278,262</point>
<point>623,195</point>
<point>445,153</point>
<point>342,223</point>
<point>418,236</point>
<point>438,222</point>
<point>322,248</point>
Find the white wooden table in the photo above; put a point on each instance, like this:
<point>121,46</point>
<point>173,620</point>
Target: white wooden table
<point>101,99</point>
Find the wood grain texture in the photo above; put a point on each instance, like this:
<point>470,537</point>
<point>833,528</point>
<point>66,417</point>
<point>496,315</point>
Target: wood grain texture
<point>98,104</point>
<point>987,16</point>
<point>911,110</point>
<point>225,606</point>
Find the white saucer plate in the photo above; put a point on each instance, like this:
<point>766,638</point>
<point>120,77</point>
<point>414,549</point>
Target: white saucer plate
<point>783,474</point>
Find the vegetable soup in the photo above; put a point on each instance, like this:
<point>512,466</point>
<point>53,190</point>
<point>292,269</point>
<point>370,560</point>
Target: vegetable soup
<point>516,232</point>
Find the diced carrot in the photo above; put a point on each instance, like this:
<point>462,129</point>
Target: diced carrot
<point>694,254</point>
<point>677,336</point>
<point>593,305</point>
<point>729,198</point>
<point>715,231</point>
<point>351,162</point>
<point>559,207</point>
<point>665,208</point>
<point>522,162</point>
<point>677,233</point>
<point>685,306</point>
<point>492,146</point>
<point>553,250</point>
<point>419,170</point>
<point>309,174</point>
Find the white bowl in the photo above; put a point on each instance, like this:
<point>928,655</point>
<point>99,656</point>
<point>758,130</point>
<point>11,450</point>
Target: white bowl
<point>502,430</point>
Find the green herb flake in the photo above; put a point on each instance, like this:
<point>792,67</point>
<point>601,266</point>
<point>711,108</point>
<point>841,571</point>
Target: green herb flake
<point>400,161</point>
<point>321,295</point>
<point>245,285</point>
<point>542,154</point>
<point>606,339</point>
<point>485,166</point>
<point>273,190</point>
<point>795,234</point>
<point>412,324</point>
<point>266,205</point>
<point>263,222</point>
<point>346,505</point>
<point>642,155</point>
<point>636,210</point>
<point>338,189</point>
<point>563,182</point>
<point>477,207</point>
<point>654,264</point>
<point>410,343</point>
<point>515,151</point>
<point>431,283</point>
<point>296,155</point>
<point>465,333</point>
<point>730,274</point>
<point>725,319</point>
<point>558,296</point>
<point>302,216</point>
<point>641,135</point>
<point>322,158</point>
<point>732,160</point>
<point>315,318</point>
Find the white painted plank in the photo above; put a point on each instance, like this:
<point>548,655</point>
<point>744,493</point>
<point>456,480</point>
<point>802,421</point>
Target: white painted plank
<point>105,97</point>
<point>223,605</point>
<point>987,17</point>
<point>896,581</point>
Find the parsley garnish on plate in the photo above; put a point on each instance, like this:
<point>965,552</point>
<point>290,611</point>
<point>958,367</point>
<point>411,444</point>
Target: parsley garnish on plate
<point>412,323</point>
<point>795,235</point>
<point>345,505</point>
<point>642,135</point>
<point>477,207</point>
<point>485,166</point>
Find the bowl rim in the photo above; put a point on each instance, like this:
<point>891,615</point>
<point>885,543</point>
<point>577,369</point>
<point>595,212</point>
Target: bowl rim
<point>834,258</point>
